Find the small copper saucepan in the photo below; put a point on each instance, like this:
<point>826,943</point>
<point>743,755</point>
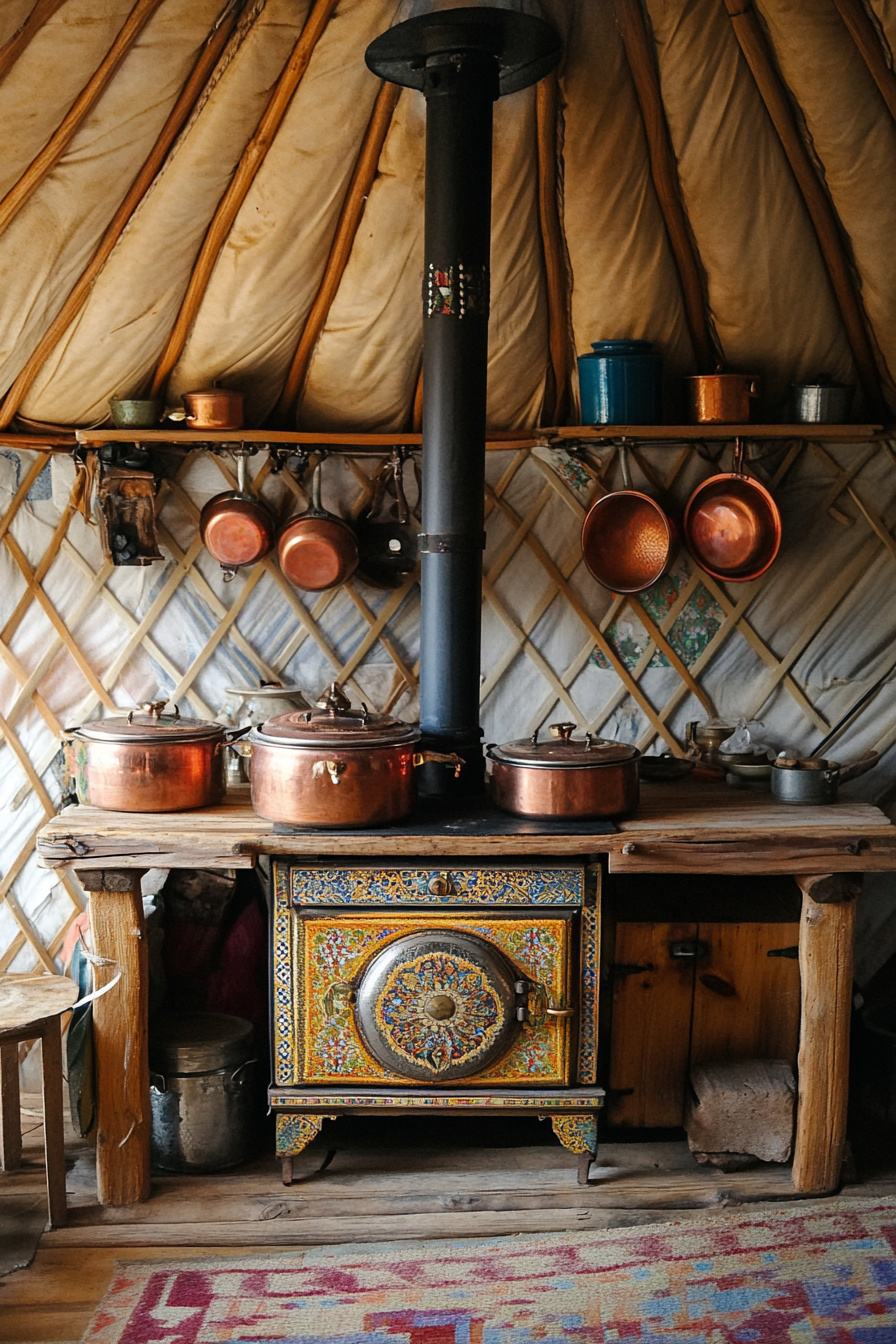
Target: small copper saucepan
<point>627,540</point>
<point>236,528</point>
<point>721,398</point>
<point>211,408</point>
<point>732,525</point>
<point>317,550</point>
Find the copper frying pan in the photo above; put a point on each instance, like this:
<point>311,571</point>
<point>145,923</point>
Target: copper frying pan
<point>628,540</point>
<point>732,525</point>
<point>317,550</point>
<point>236,528</point>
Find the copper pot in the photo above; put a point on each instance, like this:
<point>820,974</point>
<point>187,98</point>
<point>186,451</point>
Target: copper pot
<point>337,768</point>
<point>211,408</point>
<point>236,528</point>
<point>732,525</point>
<point>721,398</point>
<point>148,761</point>
<point>628,541</point>
<point>317,550</point>
<point>565,777</point>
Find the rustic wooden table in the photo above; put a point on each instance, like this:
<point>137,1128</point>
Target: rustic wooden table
<point>683,828</point>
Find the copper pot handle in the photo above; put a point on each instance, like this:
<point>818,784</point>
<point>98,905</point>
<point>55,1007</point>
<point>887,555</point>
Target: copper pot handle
<point>753,389</point>
<point>449,758</point>
<point>233,735</point>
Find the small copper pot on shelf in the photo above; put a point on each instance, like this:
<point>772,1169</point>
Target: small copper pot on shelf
<point>721,398</point>
<point>211,408</point>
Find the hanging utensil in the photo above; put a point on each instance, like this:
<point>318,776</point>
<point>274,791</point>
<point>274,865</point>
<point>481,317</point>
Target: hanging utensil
<point>387,548</point>
<point>628,540</point>
<point>732,526</point>
<point>236,528</point>
<point>317,550</point>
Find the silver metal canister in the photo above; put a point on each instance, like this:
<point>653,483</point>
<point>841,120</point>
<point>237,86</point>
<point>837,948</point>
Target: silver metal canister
<point>822,402</point>
<point>202,1090</point>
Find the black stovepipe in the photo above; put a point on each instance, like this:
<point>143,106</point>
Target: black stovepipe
<point>462,60</point>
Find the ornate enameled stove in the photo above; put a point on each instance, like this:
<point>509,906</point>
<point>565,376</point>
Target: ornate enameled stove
<point>410,988</point>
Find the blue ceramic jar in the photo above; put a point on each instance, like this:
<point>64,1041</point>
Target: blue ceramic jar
<point>621,383</point>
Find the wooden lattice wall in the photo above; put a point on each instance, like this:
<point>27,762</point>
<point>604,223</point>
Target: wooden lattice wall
<point>80,638</point>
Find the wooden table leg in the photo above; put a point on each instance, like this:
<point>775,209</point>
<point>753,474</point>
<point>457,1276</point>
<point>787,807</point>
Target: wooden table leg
<point>826,966</point>
<point>54,1125</point>
<point>120,1036</point>
<point>10,1108</point>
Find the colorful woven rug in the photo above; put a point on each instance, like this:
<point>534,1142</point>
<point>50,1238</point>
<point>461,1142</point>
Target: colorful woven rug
<point>798,1276</point>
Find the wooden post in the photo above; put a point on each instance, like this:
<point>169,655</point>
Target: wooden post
<point>54,1125</point>
<point>826,963</point>
<point>10,1108</point>
<point>120,1036</point>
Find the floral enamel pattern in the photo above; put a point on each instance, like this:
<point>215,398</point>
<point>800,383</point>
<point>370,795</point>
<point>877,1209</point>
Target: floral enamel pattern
<point>430,886</point>
<point>334,951</point>
<point>414,1036</point>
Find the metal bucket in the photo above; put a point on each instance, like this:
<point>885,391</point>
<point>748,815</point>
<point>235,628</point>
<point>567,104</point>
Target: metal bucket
<point>202,1091</point>
<point>822,403</point>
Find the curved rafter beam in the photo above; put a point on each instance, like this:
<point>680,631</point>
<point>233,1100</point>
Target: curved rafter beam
<point>252,158</point>
<point>827,229</point>
<point>664,171</point>
<point>12,49</point>
<point>547,101</point>
<point>77,114</point>
<point>863,33</point>
<point>176,120</point>
<point>417,408</point>
<point>349,219</point>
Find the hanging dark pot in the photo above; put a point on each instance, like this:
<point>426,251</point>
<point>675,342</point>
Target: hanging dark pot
<point>317,550</point>
<point>387,547</point>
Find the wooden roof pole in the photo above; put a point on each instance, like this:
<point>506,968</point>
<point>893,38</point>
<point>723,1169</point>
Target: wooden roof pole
<point>664,171</point>
<point>177,118</point>
<point>362,179</point>
<point>252,158</point>
<point>774,95</point>
<point>855,16</point>
<point>12,49</point>
<point>547,100</point>
<point>77,114</point>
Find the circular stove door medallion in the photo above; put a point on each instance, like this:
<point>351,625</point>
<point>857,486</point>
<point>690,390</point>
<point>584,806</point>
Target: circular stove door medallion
<point>436,1006</point>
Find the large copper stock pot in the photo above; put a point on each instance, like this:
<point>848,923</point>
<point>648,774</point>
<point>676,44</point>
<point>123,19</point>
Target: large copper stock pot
<point>336,766</point>
<point>565,776</point>
<point>148,761</point>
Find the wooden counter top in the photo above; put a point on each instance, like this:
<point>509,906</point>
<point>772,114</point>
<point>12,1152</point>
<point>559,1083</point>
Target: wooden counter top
<point>686,827</point>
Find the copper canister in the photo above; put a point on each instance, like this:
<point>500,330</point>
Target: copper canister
<point>566,777</point>
<point>721,398</point>
<point>148,761</point>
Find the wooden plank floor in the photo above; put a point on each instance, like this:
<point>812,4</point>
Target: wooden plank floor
<point>366,1194</point>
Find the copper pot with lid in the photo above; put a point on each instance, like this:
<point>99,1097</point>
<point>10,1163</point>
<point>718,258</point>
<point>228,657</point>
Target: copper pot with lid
<point>317,550</point>
<point>336,766</point>
<point>211,408</point>
<point>236,528</point>
<point>149,761</point>
<point>566,776</point>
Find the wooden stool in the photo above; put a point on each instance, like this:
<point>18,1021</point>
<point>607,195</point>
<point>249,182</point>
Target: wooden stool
<point>29,1010</point>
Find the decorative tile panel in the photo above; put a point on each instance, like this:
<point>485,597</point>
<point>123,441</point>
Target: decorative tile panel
<point>504,885</point>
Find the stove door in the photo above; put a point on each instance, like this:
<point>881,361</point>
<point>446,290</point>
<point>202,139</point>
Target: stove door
<point>437,1005</point>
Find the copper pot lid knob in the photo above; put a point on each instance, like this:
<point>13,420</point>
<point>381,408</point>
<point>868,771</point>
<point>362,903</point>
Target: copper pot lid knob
<point>334,699</point>
<point>563,731</point>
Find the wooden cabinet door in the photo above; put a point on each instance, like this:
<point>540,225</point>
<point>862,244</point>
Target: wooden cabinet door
<point>652,999</point>
<point>746,1003</point>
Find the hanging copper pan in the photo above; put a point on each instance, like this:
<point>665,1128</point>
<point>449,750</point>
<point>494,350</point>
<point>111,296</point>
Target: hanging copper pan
<point>628,540</point>
<point>236,528</point>
<point>732,526</point>
<point>317,550</point>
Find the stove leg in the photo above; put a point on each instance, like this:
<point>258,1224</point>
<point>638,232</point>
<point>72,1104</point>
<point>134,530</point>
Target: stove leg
<point>578,1133</point>
<point>286,1170</point>
<point>294,1133</point>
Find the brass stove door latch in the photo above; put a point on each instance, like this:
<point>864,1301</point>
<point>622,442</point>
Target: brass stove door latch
<point>535,1014</point>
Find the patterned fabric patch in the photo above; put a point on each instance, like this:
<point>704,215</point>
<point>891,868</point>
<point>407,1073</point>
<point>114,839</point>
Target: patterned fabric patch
<point>822,1276</point>
<point>693,628</point>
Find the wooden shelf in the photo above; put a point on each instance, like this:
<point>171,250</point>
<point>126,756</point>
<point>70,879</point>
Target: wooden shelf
<point>656,433</point>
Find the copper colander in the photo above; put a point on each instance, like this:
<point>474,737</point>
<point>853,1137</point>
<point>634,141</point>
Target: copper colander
<point>732,525</point>
<point>627,539</point>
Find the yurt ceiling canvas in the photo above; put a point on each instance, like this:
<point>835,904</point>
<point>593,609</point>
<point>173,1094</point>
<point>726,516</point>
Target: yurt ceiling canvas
<point>214,246</point>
